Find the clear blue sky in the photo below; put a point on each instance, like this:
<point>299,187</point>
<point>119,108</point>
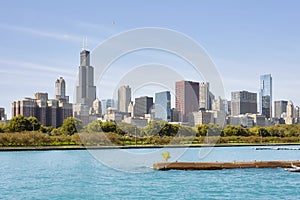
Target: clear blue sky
<point>41,40</point>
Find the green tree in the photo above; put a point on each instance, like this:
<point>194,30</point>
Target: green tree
<point>95,126</point>
<point>18,124</point>
<point>201,130</point>
<point>55,132</point>
<point>46,129</point>
<point>3,127</point>
<point>254,131</point>
<point>263,132</point>
<point>33,124</point>
<point>127,128</point>
<point>70,126</point>
<point>186,131</point>
<point>235,131</point>
<point>169,129</point>
<point>154,128</point>
<point>109,127</point>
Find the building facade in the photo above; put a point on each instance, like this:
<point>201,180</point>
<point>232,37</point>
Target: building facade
<point>187,98</point>
<point>204,96</point>
<point>203,117</point>
<point>289,113</point>
<point>163,106</point>
<point>265,95</point>
<point>279,108</point>
<point>142,106</point>
<point>243,102</point>
<point>106,103</point>
<point>2,114</point>
<point>124,98</point>
<point>96,109</point>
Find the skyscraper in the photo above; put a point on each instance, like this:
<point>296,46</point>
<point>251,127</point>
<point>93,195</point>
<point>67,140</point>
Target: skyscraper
<point>85,91</point>
<point>265,95</point>
<point>163,106</point>
<point>204,96</point>
<point>187,98</point>
<point>243,102</point>
<point>142,106</point>
<point>289,113</point>
<point>279,108</point>
<point>60,90</point>
<point>124,98</point>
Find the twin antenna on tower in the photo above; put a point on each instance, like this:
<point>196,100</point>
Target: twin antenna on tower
<point>84,43</point>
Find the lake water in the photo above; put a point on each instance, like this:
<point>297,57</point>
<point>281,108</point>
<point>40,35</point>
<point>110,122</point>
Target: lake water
<point>91,175</point>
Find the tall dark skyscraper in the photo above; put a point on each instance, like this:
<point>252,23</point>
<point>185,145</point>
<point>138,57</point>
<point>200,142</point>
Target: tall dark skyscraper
<point>243,102</point>
<point>265,95</point>
<point>142,106</point>
<point>85,91</point>
<point>187,98</point>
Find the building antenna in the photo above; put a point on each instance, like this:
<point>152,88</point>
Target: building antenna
<point>84,43</point>
<point>86,46</point>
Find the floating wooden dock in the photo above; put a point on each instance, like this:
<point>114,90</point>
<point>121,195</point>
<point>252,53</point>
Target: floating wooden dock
<point>222,165</point>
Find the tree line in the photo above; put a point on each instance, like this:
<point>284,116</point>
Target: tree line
<point>22,131</point>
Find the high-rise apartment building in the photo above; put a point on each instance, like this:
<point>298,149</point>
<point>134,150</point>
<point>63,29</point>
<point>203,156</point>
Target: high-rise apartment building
<point>163,106</point>
<point>187,98</point>
<point>243,102</point>
<point>265,95</point>
<point>124,98</point>
<point>142,106</point>
<point>279,108</point>
<point>85,91</point>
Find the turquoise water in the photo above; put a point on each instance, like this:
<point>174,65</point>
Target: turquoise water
<point>79,175</point>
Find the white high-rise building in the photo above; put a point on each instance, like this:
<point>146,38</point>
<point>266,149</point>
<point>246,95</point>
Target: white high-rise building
<point>97,109</point>
<point>60,90</point>
<point>289,113</point>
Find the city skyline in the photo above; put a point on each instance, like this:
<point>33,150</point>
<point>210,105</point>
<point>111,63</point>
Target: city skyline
<point>46,47</point>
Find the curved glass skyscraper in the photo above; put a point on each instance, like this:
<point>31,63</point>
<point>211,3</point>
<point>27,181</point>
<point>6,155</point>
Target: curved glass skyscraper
<point>265,95</point>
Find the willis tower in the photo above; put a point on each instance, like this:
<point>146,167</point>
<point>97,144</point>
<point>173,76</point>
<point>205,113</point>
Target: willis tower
<point>85,91</point>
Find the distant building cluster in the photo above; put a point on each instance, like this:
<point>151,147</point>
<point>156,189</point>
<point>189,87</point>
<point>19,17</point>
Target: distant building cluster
<point>50,112</point>
<point>194,104</point>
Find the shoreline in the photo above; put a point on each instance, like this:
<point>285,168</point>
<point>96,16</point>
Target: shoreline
<point>70,147</point>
